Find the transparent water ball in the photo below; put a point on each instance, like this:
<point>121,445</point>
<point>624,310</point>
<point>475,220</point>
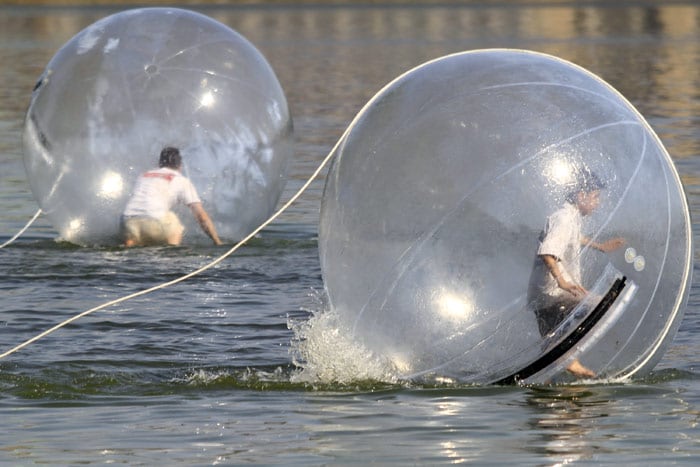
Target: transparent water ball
<point>433,209</point>
<point>134,82</point>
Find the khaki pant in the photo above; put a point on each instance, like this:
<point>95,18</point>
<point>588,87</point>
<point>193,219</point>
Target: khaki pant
<point>149,231</point>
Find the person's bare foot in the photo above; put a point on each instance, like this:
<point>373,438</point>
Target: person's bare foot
<point>577,369</point>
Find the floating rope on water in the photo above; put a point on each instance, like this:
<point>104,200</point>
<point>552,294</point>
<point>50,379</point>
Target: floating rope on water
<point>211,264</point>
<point>31,221</point>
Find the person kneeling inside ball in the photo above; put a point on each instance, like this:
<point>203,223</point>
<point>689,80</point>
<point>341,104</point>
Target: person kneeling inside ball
<point>148,218</point>
<point>556,287</point>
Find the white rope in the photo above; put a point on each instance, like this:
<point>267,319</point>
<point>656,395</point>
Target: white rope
<point>31,221</point>
<point>191,274</point>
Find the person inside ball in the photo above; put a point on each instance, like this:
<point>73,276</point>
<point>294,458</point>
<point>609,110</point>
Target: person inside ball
<point>148,218</point>
<point>556,286</point>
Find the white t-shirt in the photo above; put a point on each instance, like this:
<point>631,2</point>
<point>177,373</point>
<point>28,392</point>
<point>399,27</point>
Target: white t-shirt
<point>561,238</point>
<point>157,191</point>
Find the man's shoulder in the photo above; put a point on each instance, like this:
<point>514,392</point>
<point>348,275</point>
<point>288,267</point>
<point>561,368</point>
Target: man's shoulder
<point>164,172</point>
<point>566,211</point>
<point>562,218</point>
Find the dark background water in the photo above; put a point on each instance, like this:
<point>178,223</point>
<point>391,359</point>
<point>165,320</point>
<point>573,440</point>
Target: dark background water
<point>203,372</point>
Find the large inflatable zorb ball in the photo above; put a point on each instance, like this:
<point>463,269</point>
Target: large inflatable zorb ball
<point>123,88</point>
<point>438,195</point>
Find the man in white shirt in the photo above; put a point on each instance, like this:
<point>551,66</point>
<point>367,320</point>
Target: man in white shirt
<point>556,287</point>
<point>148,218</point>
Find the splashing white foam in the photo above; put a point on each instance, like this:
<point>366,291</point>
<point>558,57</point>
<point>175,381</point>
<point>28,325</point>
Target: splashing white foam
<point>326,351</point>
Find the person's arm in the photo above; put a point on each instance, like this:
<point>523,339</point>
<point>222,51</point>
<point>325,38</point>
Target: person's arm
<point>571,287</point>
<point>606,246</point>
<point>205,222</point>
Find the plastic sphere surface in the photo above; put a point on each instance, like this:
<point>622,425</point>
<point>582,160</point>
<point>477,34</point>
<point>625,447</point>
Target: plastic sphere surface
<point>440,196</point>
<point>132,83</point>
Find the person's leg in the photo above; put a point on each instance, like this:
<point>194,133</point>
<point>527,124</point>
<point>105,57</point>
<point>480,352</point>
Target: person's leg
<point>548,318</point>
<point>131,232</point>
<point>173,229</point>
<point>576,368</point>
<point>152,232</point>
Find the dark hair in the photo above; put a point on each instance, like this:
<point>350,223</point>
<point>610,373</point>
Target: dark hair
<point>170,157</point>
<point>587,181</point>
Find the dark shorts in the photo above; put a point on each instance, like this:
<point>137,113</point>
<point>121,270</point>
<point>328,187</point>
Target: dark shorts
<point>552,314</point>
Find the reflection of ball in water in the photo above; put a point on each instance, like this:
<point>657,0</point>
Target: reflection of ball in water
<point>134,82</point>
<point>434,204</point>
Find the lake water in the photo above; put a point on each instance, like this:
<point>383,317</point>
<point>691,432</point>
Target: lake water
<point>204,372</point>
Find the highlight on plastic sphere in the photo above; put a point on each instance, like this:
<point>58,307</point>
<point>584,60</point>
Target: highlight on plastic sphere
<point>134,82</point>
<point>438,203</point>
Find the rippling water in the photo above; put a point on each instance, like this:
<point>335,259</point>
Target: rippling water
<point>211,370</point>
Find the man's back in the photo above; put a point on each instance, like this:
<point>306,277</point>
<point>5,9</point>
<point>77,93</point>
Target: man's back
<point>157,191</point>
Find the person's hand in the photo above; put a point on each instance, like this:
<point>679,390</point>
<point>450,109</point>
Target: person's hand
<point>612,244</point>
<point>573,288</point>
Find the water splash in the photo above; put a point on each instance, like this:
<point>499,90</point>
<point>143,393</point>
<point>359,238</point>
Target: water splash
<point>325,351</point>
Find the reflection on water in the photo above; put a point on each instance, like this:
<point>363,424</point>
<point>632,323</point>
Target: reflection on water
<point>570,424</point>
<point>563,420</point>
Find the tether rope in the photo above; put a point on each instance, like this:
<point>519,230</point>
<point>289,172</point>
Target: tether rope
<point>211,264</point>
<point>31,221</point>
